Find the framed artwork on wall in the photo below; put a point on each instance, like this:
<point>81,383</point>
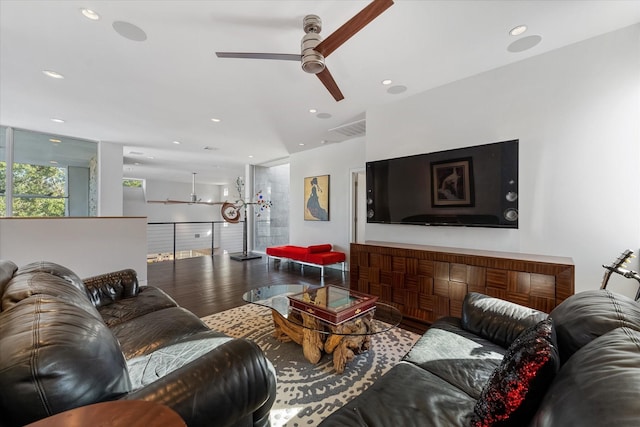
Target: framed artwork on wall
<point>452,183</point>
<point>316,198</point>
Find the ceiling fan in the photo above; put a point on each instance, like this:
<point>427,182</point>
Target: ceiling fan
<point>230,211</point>
<point>315,50</point>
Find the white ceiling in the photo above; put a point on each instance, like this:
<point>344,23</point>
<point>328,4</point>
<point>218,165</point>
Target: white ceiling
<point>146,94</point>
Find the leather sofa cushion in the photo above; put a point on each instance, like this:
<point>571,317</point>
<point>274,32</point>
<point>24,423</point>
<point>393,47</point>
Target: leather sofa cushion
<point>406,396</point>
<point>7,268</point>
<point>145,334</point>
<point>148,300</point>
<point>459,357</point>
<point>587,315</point>
<point>55,356</point>
<point>53,269</point>
<point>143,370</point>
<point>32,281</point>
<point>497,320</point>
<point>107,288</point>
<point>598,386</point>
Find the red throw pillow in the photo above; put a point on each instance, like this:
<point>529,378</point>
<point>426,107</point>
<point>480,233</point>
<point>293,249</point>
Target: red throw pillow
<point>516,388</point>
<point>316,249</point>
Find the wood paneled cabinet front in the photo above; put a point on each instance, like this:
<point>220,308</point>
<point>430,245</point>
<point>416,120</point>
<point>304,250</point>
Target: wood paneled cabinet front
<point>429,282</point>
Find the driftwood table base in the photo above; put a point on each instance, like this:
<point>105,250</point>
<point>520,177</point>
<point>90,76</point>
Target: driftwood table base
<point>344,341</point>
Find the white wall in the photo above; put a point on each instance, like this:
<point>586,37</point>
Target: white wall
<point>88,246</point>
<point>110,162</point>
<point>136,205</point>
<point>335,160</point>
<point>576,112</point>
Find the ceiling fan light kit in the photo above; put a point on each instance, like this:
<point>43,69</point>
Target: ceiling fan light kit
<point>314,50</point>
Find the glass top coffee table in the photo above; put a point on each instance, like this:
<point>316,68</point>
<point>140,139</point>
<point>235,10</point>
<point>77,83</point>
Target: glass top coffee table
<point>317,336</point>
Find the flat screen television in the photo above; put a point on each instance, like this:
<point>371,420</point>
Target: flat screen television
<point>472,186</point>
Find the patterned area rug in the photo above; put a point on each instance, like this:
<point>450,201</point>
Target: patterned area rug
<point>308,393</point>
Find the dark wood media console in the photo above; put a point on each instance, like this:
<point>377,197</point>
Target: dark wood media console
<point>429,282</point>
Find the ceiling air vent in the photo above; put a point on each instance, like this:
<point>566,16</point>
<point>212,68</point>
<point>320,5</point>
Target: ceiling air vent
<point>351,130</point>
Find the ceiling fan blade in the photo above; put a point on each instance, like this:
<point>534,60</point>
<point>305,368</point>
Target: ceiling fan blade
<point>352,26</point>
<point>327,80</point>
<point>250,55</point>
<point>184,202</point>
<point>167,202</point>
<point>208,203</point>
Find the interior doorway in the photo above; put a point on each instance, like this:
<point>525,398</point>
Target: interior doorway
<point>358,205</point>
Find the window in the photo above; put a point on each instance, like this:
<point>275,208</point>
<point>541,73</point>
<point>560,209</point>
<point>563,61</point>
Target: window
<point>50,175</point>
<point>132,183</point>
<point>39,190</point>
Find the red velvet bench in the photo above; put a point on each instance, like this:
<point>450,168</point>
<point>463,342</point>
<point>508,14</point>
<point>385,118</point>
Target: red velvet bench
<point>314,255</point>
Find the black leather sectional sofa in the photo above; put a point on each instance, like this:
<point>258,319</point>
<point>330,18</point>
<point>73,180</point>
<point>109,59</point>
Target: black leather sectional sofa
<point>67,342</point>
<point>503,364</point>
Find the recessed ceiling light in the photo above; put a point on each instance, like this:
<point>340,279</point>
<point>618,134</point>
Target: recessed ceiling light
<point>54,140</point>
<point>177,142</point>
<point>136,153</point>
<point>53,162</point>
<point>516,31</point>
<point>90,14</point>
<point>387,82</point>
<point>216,120</point>
<point>251,156</point>
<point>301,144</point>
<point>313,110</point>
<point>52,74</point>
<point>57,120</point>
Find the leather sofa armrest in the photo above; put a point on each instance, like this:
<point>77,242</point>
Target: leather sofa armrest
<point>230,383</point>
<point>497,320</point>
<point>106,288</point>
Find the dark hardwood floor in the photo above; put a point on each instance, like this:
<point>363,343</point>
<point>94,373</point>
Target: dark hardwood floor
<point>211,284</point>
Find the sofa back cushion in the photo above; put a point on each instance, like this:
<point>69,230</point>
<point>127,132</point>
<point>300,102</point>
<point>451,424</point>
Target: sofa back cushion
<point>497,320</point>
<point>7,269</point>
<point>598,386</point>
<point>55,356</point>
<point>53,269</point>
<point>107,288</point>
<point>45,278</point>
<point>587,315</point>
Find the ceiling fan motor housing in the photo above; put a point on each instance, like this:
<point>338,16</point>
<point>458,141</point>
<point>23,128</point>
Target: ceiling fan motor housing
<point>312,61</point>
<point>312,24</point>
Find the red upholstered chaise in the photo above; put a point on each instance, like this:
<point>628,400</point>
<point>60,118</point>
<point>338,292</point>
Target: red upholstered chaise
<point>314,255</point>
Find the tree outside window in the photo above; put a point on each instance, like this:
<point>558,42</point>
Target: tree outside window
<point>37,190</point>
